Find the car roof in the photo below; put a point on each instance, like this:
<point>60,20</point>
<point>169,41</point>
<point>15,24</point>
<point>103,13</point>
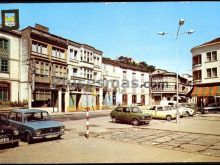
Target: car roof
<point>27,110</point>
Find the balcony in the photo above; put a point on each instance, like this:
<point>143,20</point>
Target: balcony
<point>4,52</point>
<point>59,81</point>
<point>197,81</point>
<point>42,79</point>
<point>39,54</point>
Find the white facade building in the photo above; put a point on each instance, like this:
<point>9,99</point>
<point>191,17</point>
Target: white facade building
<point>84,67</point>
<point>126,88</point>
<point>11,87</point>
<point>206,72</point>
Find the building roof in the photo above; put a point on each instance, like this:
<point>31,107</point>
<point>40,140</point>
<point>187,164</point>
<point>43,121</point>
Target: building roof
<point>12,32</point>
<point>214,41</point>
<point>109,61</point>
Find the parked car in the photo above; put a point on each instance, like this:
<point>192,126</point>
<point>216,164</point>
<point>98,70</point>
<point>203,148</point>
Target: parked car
<point>8,134</point>
<point>35,124</point>
<point>213,107</point>
<point>161,112</point>
<point>129,114</point>
<point>186,110</point>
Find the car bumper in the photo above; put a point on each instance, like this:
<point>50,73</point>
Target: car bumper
<point>49,135</point>
<point>145,120</point>
<point>6,141</point>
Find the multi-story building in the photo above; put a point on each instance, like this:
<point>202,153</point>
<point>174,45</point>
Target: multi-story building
<point>163,86</point>
<point>10,70</point>
<point>84,65</point>
<point>206,72</point>
<point>124,83</point>
<point>44,67</point>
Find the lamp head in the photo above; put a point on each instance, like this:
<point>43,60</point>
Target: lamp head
<point>181,22</point>
<point>161,33</point>
<point>191,31</point>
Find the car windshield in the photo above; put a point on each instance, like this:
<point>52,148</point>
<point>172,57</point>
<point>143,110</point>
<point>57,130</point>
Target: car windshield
<point>36,116</point>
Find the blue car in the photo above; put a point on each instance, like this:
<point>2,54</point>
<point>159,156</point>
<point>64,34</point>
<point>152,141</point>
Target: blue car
<point>35,124</point>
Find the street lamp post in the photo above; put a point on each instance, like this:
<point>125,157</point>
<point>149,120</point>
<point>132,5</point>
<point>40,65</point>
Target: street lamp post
<point>181,22</point>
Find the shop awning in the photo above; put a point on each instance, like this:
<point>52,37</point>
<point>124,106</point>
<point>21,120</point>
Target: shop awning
<point>206,91</point>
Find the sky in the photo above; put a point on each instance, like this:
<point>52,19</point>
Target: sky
<point>129,28</point>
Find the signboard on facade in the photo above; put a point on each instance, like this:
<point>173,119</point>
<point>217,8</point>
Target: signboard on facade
<point>10,19</point>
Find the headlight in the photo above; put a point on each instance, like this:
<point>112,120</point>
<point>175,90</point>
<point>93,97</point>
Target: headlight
<point>38,132</point>
<point>16,132</point>
<point>62,129</point>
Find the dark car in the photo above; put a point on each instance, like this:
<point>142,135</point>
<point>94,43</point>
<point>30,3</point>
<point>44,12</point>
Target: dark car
<point>213,107</point>
<point>8,134</point>
<point>130,114</point>
<point>35,124</point>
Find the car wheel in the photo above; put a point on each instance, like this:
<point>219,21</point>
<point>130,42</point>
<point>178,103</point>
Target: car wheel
<point>29,138</point>
<point>187,114</point>
<point>114,120</point>
<point>135,122</point>
<point>168,117</point>
<point>15,144</point>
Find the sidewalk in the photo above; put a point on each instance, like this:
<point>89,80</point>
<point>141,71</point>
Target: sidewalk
<point>71,113</point>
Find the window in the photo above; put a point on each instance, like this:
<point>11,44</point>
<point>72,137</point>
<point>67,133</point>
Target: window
<point>160,108</point>
<point>134,99</point>
<point>95,75</point>
<point>75,54</point>
<point>113,69</point>
<point>142,77</point>
<point>124,74</point>
<point>214,72</point>
<point>126,110</point>
<point>88,73</point>
<point>71,54</point>
<point>197,59</point>
<point>39,47</point>
<point>133,75</point>
<point>3,65</point>
<point>119,109</point>
<point>97,61</point>
<point>74,71</point>
<point>211,72</point>
<point>211,56</point>
<point>135,110</point>
<point>197,75</point>
<point>12,116</point>
<point>4,94</point>
<point>3,44</point>
<point>19,117</point>
<point>59,53</point>
<point>214,56</point>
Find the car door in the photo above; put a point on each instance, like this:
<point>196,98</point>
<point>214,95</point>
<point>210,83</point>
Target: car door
<point>118,113</point>
<point>125,114</point>
<point>152,111</point>
<point>159,112</point>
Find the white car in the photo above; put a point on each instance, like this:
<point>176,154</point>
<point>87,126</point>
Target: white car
<point>185,111</point>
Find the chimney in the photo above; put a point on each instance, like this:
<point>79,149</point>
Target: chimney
<point>42,28</point>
